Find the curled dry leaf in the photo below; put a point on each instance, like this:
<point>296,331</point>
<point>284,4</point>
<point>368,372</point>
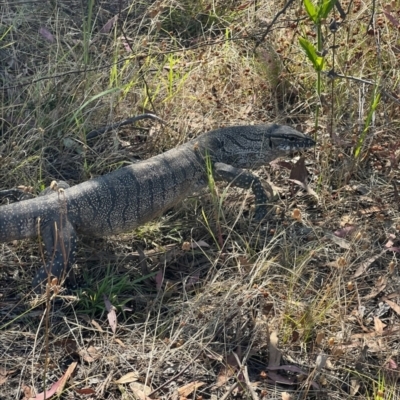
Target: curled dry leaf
<point>112,319</point>
<point>346,231</point>
<point>227,370</point>
<point>296,214</point>
<point>96,325</point>
<point>392,364</point>
<point>199,244</point>
<point>395,307</point>
<point>321,361</point>
<point>379,326</point>
<point>186,390</point>
<point>128,378</point>
<point>140,391</point>
<point>319,338</point>
<point>90,354</point>
<point>286,396</point>
<point>274,353</point>
<point>186,246</point>
<point>112,315</point>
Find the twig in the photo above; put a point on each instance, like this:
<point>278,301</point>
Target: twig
<point>104,129</point>
<point>253,393</point>
<point>231,389</point>
<point>122,61</point>
<point>277,15</point>
<point>342,13</point>
<point>371,21</point>
<point>243,369</point>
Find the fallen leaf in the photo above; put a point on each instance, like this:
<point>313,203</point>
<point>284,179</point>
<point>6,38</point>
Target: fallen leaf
<point>320,362</point>
<point>140,391</point>
<point>227,370</point>
<point>85,391</point>
<point>319,338</point>
<point>392,19</point>
<point>128,378</point>
<point>379,326</point>
<point>200,244</point>
<point>120,342</point>
<point>58,387</point>
<point>366,264</point>
<point>347,230</point>
<point>186,390</point>
<point>28,393</point>
<point>96,325</point>
<point>90,354</point>
<point>112,315</point>
<point>355,386</point>
<point>299,171</point>
<point>343,243</point>
<point>47,35</point>
<point>380,285</point>
<point>281,164</point>
<point>109,24</point>
<point>286,396</point>
<point>395,307</point>
<point>274,352</point>
<point>4,373</point>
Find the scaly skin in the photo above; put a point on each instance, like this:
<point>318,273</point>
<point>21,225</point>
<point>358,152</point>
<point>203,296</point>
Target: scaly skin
<point>126,198</point>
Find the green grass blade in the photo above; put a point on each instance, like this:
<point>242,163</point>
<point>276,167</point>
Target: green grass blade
<point>312,11</point>
<point>326,8</point>
<point>374,104</point>
<point>317,61</point>
<point>97,96</point>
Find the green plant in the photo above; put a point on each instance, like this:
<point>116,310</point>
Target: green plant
<point>87,31</point>
<point>317,13</point>
<point>374,104</point>
<point>91,299</point>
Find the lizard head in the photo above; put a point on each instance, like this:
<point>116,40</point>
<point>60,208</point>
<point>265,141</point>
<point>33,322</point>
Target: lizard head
<point>286,140</point>
<point>252,146</point>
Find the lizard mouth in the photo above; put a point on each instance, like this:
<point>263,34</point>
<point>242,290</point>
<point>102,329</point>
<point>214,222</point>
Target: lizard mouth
<point>301,145</point>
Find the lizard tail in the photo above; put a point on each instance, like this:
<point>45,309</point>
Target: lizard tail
<point>22,220</point>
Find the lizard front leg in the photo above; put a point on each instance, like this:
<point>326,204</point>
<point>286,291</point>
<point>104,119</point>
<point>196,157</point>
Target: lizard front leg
<point>60,242</point>
<point>60,239</point>
<point>245,180</point>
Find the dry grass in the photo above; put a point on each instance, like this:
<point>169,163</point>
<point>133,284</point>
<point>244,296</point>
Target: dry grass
<point>315,288</point>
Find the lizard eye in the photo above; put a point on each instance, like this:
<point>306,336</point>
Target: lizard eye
<point>270,143</point>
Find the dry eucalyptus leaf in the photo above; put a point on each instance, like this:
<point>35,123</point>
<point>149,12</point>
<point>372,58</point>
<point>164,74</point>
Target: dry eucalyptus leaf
<point>128,378</point>
<point>186,390</point>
